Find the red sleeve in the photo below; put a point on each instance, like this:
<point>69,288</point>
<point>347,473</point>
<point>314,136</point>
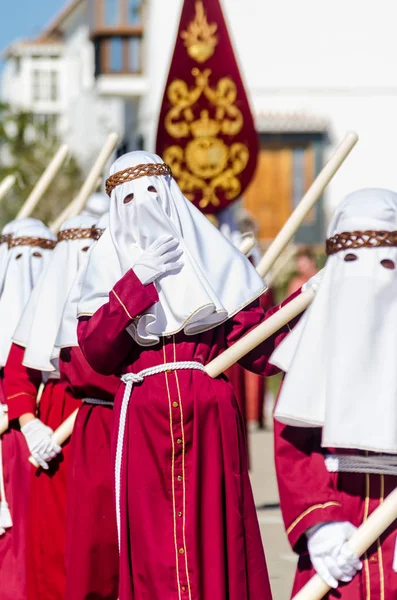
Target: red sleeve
<point>257,360</point>
<point>21,384</point>
<point>308,493</point>
<point>103,338</point>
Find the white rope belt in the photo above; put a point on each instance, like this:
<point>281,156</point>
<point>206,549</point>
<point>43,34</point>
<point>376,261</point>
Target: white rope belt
<point>130,379</point>
<point>374,464</point>
<point>97,402</point>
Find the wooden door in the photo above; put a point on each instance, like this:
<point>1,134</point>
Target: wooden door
<point>269,196</point>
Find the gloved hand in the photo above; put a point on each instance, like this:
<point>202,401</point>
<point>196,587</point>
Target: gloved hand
<point>314,281</point>
<point>162,257</point>
<point>39,440</point>
<point>329,553</point>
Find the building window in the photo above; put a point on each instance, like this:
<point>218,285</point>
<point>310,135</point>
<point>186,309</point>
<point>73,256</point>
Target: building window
<point>45,85</point>
<point>134,52</point>
<point>111,12</point>
<point>116,55</point>
<point>134,12</point>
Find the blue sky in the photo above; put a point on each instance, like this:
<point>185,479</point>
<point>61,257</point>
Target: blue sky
<point>26,18</point>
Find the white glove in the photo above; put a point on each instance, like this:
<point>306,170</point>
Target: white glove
<point>314,281</point>
<point>160,258</point>
<point>329,553</point>
<point>39,440</point>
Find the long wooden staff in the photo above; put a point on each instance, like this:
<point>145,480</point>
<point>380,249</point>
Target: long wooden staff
<point>6,185</point>
<point>89,186</point>
<point>359,543</point>
<point>307,203</point>
<point>43,183</point>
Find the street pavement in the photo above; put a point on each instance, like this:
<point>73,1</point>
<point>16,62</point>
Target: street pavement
<point>281,561</point>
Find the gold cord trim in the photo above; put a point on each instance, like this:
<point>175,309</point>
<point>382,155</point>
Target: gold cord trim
<point>122,304</point>
<point>172,474</point>
<point>308,511</point>
<point>183,475</point>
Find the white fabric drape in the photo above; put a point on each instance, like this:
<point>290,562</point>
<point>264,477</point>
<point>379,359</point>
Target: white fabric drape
<point>215,282</point>
<point>341,358</point>
<point>67,334</point>
<point>38,328</point>
<point>20,270</point>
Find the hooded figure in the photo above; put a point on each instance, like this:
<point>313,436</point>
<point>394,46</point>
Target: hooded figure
<point>25,247</point>
<point>167,293</point>
<point>38,329</point>
<point>28,252</point>
<point>92,561</point>
<point>34,358</point>
<point>336,431</point>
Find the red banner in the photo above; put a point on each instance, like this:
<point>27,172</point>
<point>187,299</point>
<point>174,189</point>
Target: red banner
<point>206,131</point>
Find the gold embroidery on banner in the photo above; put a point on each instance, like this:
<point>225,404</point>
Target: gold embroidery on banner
<point>183,474</point>
<point>172,475</point>
<point>200,37</point>
<point>308,511</point>
<point>207,163</point>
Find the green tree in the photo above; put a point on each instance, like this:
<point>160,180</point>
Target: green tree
<point>26,148</point>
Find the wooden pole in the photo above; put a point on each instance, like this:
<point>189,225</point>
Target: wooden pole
<point>361,540</point>
<point>247,243</point>
<point>61,434</point>
<point>43,183</point>
<point>6,185</point>
<point>89,186</point>
<point>307,203</point>
<point>261,333</point>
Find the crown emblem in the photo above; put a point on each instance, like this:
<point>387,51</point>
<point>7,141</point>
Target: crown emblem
<point>205,126</point>
<point>200,37</point>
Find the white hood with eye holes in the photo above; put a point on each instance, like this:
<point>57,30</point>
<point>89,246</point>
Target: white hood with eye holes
<point>20,269</point>
<point>67,334</point>
<point>38,328</point>
<point>215,282</point>
<point>341,359</point>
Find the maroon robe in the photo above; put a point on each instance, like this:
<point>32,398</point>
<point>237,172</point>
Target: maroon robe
<point>189,525</point>
<point>92,558</point>
<point>16,473</point>
<point>47,502</point>
<point>310,495</point>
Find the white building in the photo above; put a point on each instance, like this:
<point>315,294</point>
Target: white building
<point>312,70</point>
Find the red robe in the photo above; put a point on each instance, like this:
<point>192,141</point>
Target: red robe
<point>189,525</point>
<point>250,388</point>
<point>310,495</point>
<point>16,474</point>
<point>47,502</point>
<point>92,558</point>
